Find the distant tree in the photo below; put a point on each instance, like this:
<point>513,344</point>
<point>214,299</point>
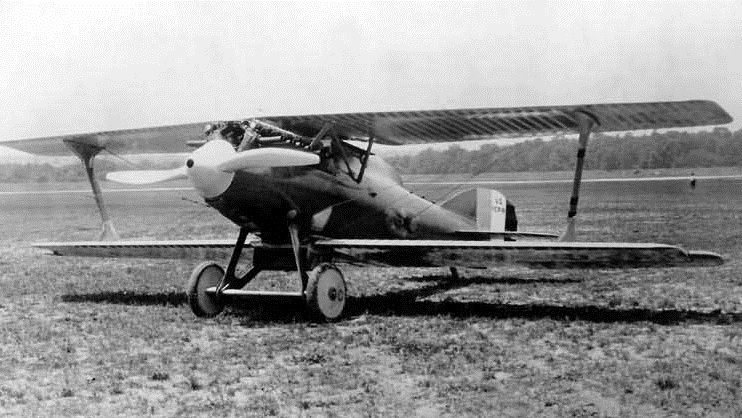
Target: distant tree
<point>45,172</point>
<point>719,147</point>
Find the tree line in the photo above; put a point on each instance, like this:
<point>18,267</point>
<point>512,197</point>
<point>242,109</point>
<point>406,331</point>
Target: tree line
<point>672,149</point>
<point>73,171</point>
<point>717,148</point>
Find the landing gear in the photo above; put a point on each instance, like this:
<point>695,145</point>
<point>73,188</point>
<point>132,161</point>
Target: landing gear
<point>205,304</point>
<point>322,289</point>
<point>326,292</point>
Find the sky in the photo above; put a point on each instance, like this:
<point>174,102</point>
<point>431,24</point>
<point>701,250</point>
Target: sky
<point>83,67</point>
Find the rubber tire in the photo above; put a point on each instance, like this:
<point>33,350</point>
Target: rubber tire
<point>326,293</point>
<point>205,275</point>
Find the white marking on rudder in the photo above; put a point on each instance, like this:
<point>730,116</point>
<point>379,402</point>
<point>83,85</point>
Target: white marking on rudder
<point>491,206</point>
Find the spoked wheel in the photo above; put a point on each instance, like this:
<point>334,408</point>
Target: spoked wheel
<point>326,292</point>
<point>207,274</point>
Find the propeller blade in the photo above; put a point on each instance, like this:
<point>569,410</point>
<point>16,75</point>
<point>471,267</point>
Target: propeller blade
<point>268,157</point>
<point>147,176</point>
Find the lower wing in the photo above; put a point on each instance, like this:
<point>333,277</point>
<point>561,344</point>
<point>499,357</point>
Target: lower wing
<point>191,249</point>
<point>422,253</point>
<point>540,254</point>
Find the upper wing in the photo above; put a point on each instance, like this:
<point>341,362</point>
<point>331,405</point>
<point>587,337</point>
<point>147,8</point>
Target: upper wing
<point>483,254</point>
<point>409,127</point>
<point>161,139</point>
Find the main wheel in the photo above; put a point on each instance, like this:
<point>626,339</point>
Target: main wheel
<point>326,292</point>
<point>205,275</point>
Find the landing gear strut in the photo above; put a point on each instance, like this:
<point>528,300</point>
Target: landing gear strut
<point>323,288</point>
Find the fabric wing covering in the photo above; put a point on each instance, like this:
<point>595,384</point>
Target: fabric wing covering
<point>411,127</point>
<point>474,124</point>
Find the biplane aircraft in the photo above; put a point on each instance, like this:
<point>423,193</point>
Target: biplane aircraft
<point>316,198</point>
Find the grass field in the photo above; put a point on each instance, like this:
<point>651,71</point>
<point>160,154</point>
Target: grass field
<point>115,337</point>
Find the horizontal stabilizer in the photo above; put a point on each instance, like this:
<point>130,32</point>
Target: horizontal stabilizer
<point>475,234</point>
<point>485,254</point>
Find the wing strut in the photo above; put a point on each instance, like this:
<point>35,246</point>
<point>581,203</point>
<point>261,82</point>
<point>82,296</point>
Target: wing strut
<point>585,123</point>
<point>87,153</point>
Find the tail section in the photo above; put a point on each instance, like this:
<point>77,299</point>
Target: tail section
<point>489,208</point>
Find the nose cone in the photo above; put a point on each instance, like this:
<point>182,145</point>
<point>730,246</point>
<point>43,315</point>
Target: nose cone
<point>203,171</point>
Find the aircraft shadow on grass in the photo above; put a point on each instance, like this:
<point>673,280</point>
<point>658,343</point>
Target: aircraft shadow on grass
<point>410,302</point>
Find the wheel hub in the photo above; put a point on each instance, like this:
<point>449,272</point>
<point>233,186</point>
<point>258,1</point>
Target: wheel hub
<point>335,294</point>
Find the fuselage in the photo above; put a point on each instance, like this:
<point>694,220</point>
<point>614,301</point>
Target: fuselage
<point>327,201</point>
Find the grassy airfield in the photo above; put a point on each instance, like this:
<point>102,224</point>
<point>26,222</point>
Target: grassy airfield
<point>84,336</point>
